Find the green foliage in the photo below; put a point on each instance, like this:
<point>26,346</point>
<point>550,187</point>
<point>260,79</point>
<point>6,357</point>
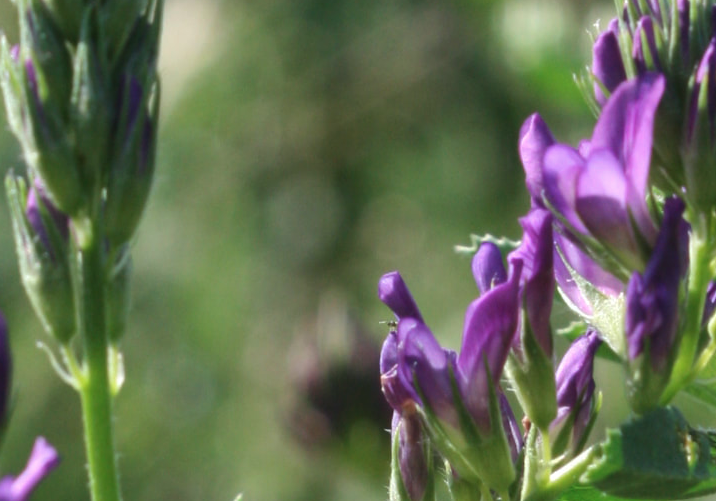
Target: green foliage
<point>657,456</point>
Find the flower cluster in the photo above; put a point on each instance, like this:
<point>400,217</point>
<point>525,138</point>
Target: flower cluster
<point>623,227</point>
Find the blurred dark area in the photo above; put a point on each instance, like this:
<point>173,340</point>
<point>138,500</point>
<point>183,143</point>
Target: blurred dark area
<point>306,147</point>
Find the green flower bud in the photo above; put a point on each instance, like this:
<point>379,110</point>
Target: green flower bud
<point>43,44</point>
<point>132,167</point>
<point>90,109</point>
<point>41,239</point>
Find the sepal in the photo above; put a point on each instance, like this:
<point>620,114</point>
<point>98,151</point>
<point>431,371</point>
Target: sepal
<point>412,476</point>
<point>90,104</point>
<point>532,376</point>
<point>44,270</point>
<point>477,457</point>
<point>132,168</point>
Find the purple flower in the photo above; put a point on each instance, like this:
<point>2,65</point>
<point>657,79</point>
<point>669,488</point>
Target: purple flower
<point>607,64</point>
<point>412,463</point>
<point>536,254</point>
<point>415,368</point>
<point>652,298</point>
<point>535,138</point>
<point>490,325</point>
<point>488,268</point>
<point>43,459</point>
<point>575,385</point>
<point>600,191</point>
<point>393,292</point>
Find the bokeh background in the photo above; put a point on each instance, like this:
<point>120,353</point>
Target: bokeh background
<point>307,147</point>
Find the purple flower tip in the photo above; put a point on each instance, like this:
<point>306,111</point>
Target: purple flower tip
<point>36,196</point>
<point>393,292</point>
<point>43,459</point>
<point>487,267</point>
<point>535,138</point>
<point>652,299</point>
<point>575,383</point>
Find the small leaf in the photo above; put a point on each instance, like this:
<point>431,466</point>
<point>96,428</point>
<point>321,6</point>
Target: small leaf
<point>656,456</point>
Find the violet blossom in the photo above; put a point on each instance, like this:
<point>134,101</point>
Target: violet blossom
<point>652,298</point>
<point>575,386</point>
<point>43,459</point>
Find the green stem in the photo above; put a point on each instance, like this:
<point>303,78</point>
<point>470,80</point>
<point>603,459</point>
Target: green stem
<point>565,477</point>
<point>699,277</point>
<point>95,390</point>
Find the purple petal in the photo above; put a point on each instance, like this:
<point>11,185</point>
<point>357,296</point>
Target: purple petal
<point>535,138</point>
<point>626,125</point>
<point>422,361</point>
<point>562,168</point>
<point>43,459</point>
<point>575,382</point>
<point>710,305</point>
<point>607,64</point>
<point>411,456</point>
<point>706,68</point>
<point>683,8</point>
<point>602,197</point>
<point>487,267</point>
<point>653,298</point>
<point>398,392</point>
<point>644,33</point>
<point>536,254</point>
<point>393,292</point>
<point>37,195</point>
<point>490,326</point>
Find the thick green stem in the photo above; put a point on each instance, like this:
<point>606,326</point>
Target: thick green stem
<point>564,478</point>
<point>698,283</point>
<point>95,390</point>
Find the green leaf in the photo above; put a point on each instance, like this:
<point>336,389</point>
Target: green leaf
<point>579,327</point>
<point>704,388</point>
<point>704,391</point>
<point>656,456</point>
<point>585,493</point>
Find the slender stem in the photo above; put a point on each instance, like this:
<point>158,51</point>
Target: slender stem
<point>695,297</point>
<point>95,392</point>
<point>565,477</point>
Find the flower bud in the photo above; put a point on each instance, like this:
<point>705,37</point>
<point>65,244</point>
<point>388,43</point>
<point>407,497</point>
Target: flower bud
<point>118,20</point>
<point>49,151</point>
<point>457,395</point>
<point>90,104</point>
<point>412,476</point>
<point>575,391</point>
<point>43,44</point>
<point>41,233</point>
<point>487,267</point>
<point>530,368</point>
<point>132,166</point>
<point>652,301</point>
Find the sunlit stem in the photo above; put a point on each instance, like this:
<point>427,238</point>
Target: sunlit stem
<point>96,387</point>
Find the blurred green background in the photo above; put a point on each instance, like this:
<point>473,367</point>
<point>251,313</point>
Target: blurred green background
<point>307,147</point>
